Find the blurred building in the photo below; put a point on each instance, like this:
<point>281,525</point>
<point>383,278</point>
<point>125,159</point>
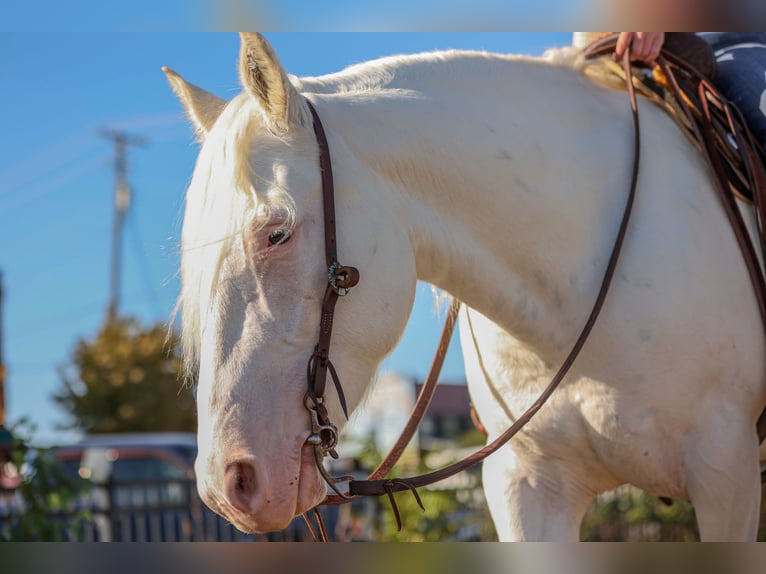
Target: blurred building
<point>388,406</point>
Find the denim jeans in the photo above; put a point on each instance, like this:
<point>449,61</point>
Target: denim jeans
<point>741,58</point>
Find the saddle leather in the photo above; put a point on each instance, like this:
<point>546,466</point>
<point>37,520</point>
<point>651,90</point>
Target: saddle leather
<point>692,63</point>
<point>686,45</point>
<point>692,49</point>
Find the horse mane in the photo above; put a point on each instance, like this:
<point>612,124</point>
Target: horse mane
<point>411,71</point>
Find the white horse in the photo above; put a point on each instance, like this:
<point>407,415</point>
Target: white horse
<point>501,180</point>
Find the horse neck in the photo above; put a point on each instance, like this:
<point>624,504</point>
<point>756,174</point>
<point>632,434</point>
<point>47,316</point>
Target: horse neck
<point>488,182</point>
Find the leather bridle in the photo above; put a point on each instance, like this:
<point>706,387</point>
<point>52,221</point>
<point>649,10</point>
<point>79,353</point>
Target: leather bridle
<point>341,278</point>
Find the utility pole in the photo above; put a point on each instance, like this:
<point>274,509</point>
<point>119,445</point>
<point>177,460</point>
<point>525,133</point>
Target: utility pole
<point>7,440</point>
<point>121,141</point>
<point>2,359</point>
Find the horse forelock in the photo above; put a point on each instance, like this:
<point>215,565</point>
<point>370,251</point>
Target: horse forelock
<point>222,202</point>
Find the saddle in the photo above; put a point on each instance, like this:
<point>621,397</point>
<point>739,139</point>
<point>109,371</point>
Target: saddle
<point>681,83</point>
<point>684,86</point>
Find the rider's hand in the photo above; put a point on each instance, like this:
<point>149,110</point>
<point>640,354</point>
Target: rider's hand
<point>644,46</point>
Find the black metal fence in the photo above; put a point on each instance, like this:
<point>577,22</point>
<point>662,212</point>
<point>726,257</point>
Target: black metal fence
<point>145,511</point>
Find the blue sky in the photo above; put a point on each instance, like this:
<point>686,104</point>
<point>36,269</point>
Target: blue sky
<point>299,15</point>
<point>56,181</point>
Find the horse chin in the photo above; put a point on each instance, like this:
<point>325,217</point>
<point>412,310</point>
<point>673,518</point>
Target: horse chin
<point>311,486</point>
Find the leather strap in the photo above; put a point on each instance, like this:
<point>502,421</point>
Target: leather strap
<point>421,404</point>
<point>340,279</point>
<point>318,534</point>
<point>328,188</point>
<point>424,397</point>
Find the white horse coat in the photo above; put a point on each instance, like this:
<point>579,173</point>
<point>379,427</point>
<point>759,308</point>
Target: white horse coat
<point>501,180</point>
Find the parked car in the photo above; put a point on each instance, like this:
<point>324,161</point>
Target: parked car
<point>131,457</point>
<point>144,490</point>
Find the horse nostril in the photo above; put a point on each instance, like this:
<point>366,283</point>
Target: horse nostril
<point>240,485</point>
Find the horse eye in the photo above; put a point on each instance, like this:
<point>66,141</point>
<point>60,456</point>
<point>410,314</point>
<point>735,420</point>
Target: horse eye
<point>279,236</point>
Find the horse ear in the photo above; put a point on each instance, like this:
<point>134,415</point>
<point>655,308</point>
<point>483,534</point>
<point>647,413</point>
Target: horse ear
<point>263,77</point>
<point>203,108</point>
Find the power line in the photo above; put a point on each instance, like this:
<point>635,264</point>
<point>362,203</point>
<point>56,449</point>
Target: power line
<point>63,321</point>
<point>144,265</point>
<point>47,181</point>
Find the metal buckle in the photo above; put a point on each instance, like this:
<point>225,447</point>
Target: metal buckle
<point>324,436</point>
<point>324,440</point>
<point>342,278</point>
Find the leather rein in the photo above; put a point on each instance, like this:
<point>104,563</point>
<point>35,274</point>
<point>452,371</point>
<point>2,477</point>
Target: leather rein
<point>341,279</point>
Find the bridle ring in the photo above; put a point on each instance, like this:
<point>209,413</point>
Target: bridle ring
<point>342,278</point>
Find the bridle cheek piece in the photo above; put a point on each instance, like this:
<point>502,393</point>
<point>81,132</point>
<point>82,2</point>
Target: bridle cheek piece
<point>340,280</point>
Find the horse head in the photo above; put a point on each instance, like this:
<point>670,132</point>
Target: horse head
<point>253,278</point>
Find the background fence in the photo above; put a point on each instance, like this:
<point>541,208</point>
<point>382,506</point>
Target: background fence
<point>141,511</point>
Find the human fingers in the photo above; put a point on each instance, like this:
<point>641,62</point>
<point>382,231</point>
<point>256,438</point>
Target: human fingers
<point>639,47</point>
<point>623,41</point>
<point>656,41</point>
<point>646,46</point>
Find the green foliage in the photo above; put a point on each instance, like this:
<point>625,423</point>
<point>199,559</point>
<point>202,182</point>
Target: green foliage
<point>127,379</point>
<point>429,525</point>
<point>47,496</point>
<point>446,510</point>
<point>630,514</point>
<point>625,514</point>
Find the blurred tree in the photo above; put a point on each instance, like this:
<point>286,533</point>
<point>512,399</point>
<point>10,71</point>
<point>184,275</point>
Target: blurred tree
<point>127,379</point>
